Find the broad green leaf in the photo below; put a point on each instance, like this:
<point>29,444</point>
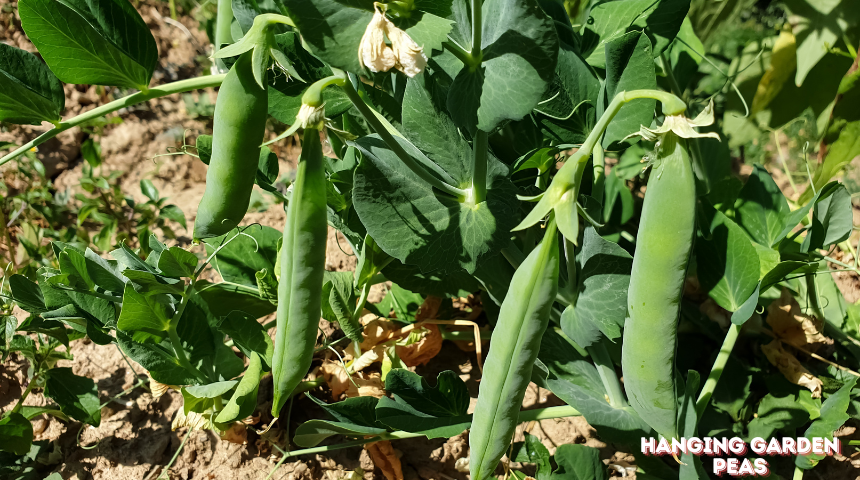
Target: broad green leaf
<point>151,283</point>
<point>240,259</point>
<point>158,359</point>
<point>99,42</point>
<point>249,336</point>
<point>777,413</point>
<point>52,328</point>
<point>173,212</point>
<point>244,399</point>
<point>685,55</point>
<point>359,411</point>
<point>405,303</point>
<point>610,19</point>
<point>448,398</point>
<point>832,219</point>
<point>578,462</point>
<point>225,298</point>
<point>532,451</point>
<point>746,310</point>
<point>728,265</point>
<point>30,412</point>
<point>840,153</point>
<point>199,398</point>
<point>579,87</point>
<point>411,223</point>
<point>603,275</point>
<point>761,208</point>
<point>628,67</point>
<point>520,50</point>
<point>16,434</point>
<point>456,284</point>
<point>150,314</point>
<point>784,269</point>
<point>405,417</point>
<point>176,262</point>
<point>833,416</point>
<point>314,432</point>
<point>31,93</point>
<point>27,294</point>
<point>818,25</point>
<point>77,396</point>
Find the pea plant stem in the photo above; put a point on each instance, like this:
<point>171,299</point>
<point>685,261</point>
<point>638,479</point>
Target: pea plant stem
<point>133,99</point>
<point>479,168</point>
<point>24,395</point>
<point>222,29</point>
<point>717,370</point>
<point>476,53</point>
<point>174,335</point>
<point>606,370</point>
<point>395,147</point>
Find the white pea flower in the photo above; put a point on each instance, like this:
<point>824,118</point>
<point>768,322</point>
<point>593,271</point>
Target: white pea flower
<point>373,51</point>
<point>311,116</point>
<point>681,126</point>
<point>403,53</point>
<point>410,57</point>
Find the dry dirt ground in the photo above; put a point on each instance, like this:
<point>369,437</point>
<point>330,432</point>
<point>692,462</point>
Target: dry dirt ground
<point>135,440</point>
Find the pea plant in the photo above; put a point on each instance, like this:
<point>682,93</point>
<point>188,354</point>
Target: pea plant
<point>489,149</point>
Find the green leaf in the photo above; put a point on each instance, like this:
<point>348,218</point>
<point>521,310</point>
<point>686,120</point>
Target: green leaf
<point>16,434</point>
<point>8,325</point>
<point>151,283</point>
<point>572,113</point>
<point>784,269</point>
<point>199,398</point>
<point>204,148</point>
<point>833,416</point>
<point>244,399</point>
<point>91,150</point>
<point>611,19</point>
<point>405,417</point>
<point>832,218</point>
<point>77,396</point>
<point>102,42</point>
<point>817,28</point>
<point>27,294</point>
<point>761,208</point>
<point>243,257</point>
<point>31,93</point>
<point>629,66</point>
<point>158,359</point>
<point>150,314</point>
<point>411,223</point>
<point>449,397</point>
<point>456,284</point>
<point>727,262</point>
<point>776,413</point>
<point>520,49</point>
<point>225,298</point>
<point>148,189</point>
<point>532,451</point>
<point>603,275</point>
<point>359,411</point>
<point>249,336</point>
<point>314,432</point>
<point>578,462</point>
<point>30,412</point>
<point>176,262</point>
<point>691,465</point>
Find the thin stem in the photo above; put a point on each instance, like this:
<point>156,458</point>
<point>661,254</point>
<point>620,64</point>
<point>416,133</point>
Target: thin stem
<point>670,76</point>
<point>717,370</point>
<point>458,52</point>
<point>175,456</point>
<point>398,150</point>
<point>5,229</point>
<point>784,163</point>
<point>599,173</point>
<point>223,32</point>
<point>812,293</point>
<point>27,391</point>
<point>133,99</point>
<point>476,53</point>
<point>798,473</point>
<point>479,167</point>
<point>608,376</point>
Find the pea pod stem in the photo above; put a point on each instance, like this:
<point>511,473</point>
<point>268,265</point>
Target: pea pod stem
<point>717,370</point>
<point>222,29</point>
<point>398,150</point>
<point>606,369</point>
<point>110,107</point>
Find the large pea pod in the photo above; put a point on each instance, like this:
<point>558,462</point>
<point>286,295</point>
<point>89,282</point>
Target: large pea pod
<point>302,266</point>
<point>240,124</point>
<point>663,244</point>
<point>513,350</point>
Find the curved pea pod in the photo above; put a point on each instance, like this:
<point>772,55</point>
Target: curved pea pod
<point>513,349</point>
<point>302,264</point>
<point>666,232</point>
<point>239,127</point>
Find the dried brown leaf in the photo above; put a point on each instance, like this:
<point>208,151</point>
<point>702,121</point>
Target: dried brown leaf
<point>791,368</point>
<point>385,459</point>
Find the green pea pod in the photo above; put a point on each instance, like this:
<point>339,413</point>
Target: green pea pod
<point>663,246</point>
<point>513,350</point>
<point>240,124</point>
<point>302,265</point>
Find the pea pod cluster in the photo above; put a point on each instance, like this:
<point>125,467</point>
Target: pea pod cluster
<point>302,265</point>
<point>240,124</point>
<point>666,232</point>
<point>513,350</point>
